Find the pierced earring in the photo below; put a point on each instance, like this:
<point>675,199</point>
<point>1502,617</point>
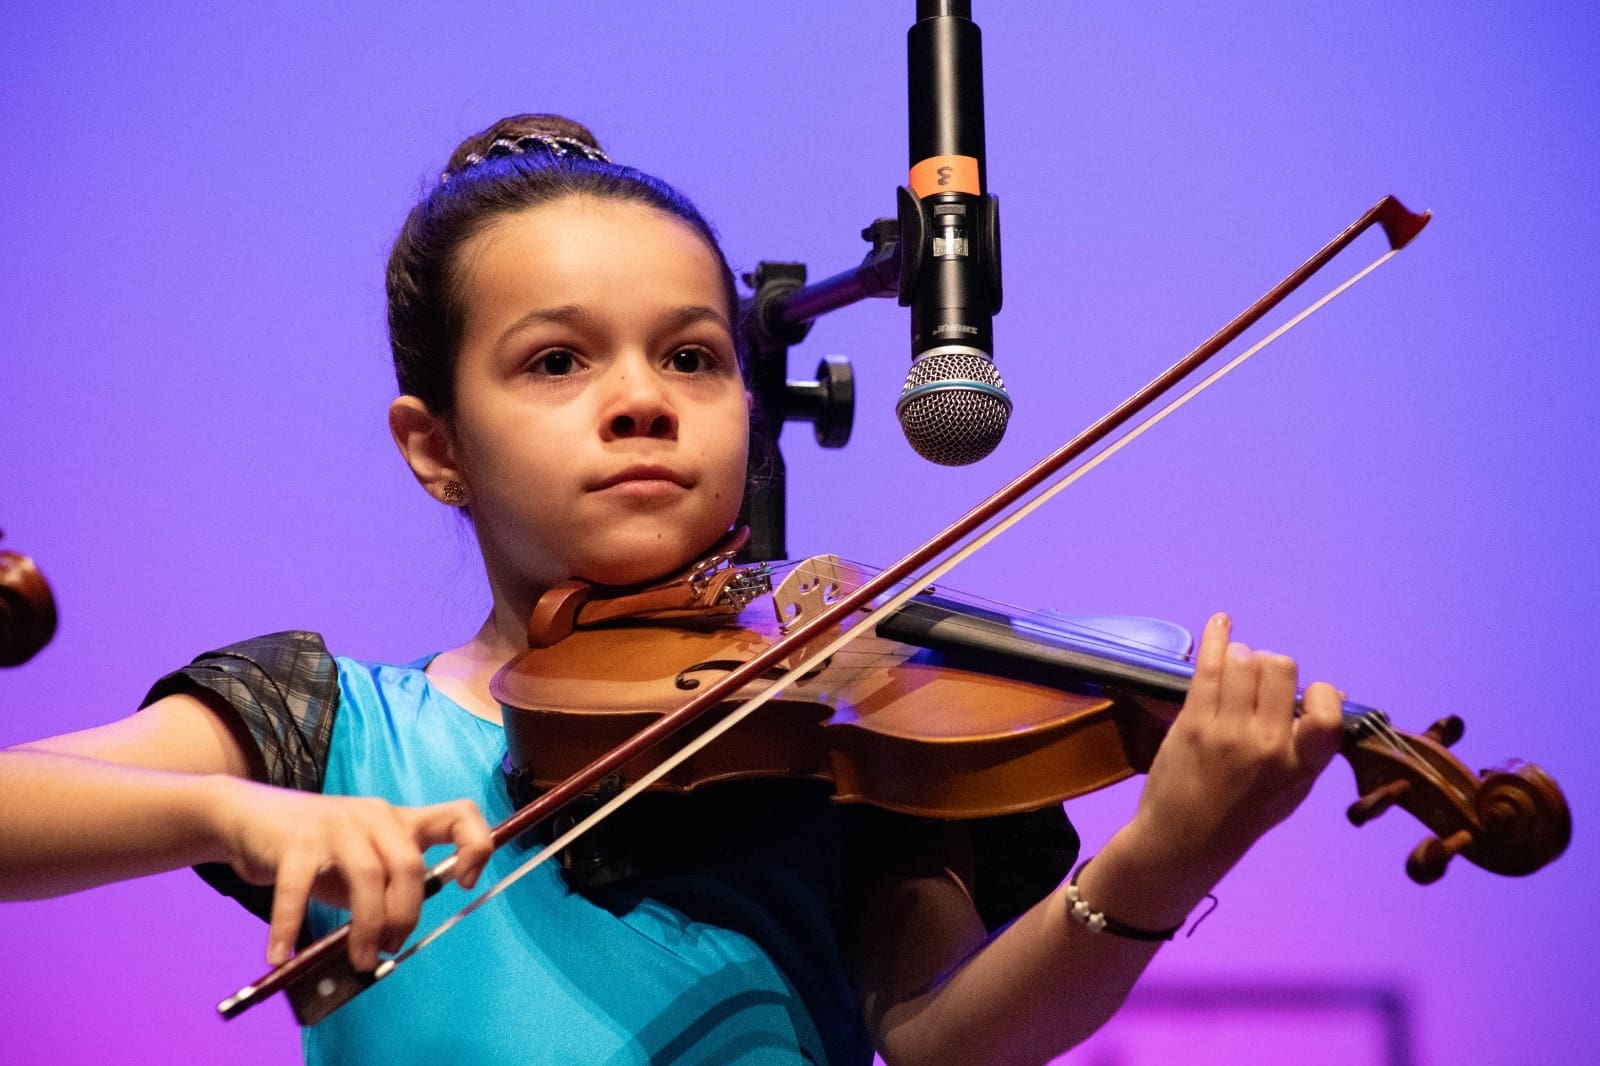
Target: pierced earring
<point>455,493</point>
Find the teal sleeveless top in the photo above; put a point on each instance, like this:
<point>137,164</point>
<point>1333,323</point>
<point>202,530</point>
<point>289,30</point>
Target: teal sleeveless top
<point>541,974</point>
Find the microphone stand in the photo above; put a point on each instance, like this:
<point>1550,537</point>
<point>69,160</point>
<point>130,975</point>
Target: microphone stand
<point>777,316</point>
<point>779,312</point>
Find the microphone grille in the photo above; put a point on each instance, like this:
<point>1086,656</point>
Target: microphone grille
<point>953,407</point>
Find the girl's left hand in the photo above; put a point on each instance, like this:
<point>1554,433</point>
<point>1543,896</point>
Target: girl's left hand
<point>1237,759</point>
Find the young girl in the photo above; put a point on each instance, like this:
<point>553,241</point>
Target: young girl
<point>565,339</point>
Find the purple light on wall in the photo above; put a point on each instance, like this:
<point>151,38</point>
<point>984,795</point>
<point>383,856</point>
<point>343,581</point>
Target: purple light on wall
<point>198,205</point>
<point>1259,1021</point>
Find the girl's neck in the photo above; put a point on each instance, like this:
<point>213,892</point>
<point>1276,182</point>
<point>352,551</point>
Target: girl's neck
<point>463,673</point>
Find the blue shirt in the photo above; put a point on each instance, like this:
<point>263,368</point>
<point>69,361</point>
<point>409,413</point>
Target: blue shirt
<point>542,974</point>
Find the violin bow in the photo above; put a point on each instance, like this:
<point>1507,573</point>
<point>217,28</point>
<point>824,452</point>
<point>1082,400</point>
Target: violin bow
<point>321,978</point>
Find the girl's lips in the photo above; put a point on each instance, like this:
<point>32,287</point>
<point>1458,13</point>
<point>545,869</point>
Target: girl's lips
<point>643,489</point>
<point>642,479</point>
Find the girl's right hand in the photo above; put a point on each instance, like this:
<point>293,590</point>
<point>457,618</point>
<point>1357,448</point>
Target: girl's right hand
<point>362,855</point>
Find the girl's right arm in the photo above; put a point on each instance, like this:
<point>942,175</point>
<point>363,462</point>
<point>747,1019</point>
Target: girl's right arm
<point>169,787</point>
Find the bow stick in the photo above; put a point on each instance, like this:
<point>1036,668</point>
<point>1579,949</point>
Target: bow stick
<point>321,978</point>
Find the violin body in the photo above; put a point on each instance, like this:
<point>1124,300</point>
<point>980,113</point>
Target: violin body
<point>887,723</point>
<point>946,713</point>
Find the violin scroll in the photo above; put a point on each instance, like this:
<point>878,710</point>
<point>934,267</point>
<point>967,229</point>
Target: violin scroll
<point>27,610</point>
<point>1511,820</point>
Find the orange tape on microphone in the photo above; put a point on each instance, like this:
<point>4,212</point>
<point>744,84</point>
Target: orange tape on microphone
<point>945,173</point>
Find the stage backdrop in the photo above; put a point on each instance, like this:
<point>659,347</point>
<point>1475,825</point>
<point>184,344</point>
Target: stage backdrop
<point>197,204</point>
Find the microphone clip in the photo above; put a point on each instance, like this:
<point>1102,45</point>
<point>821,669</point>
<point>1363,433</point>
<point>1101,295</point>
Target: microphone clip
<point>926,225</point>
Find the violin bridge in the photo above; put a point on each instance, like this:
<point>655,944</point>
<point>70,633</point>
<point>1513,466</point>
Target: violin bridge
<point>810,588</point>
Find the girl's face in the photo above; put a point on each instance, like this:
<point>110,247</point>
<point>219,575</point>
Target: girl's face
<point>601,421</point>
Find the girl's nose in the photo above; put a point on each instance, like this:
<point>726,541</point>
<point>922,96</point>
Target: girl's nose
<point>639,407</point>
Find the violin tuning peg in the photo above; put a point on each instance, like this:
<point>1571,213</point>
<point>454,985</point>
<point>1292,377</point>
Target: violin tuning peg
<point>1377,801</point>
<point>1427,861</point>
<point>1446,731</point>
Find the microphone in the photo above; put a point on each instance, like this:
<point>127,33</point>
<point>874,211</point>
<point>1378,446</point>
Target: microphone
<point>953,407</point>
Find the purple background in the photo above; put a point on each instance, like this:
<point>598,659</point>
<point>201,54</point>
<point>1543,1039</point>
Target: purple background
<point>198,202</point>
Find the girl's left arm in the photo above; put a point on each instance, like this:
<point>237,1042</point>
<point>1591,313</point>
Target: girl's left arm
<point>1236,761</point>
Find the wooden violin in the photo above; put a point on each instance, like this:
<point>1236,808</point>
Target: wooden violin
<point>947,711</point>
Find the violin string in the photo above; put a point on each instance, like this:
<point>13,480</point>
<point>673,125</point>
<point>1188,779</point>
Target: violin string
<point>912,588</point>
<point>851,575</point>
<point>1392,738</point>
<point>1047,620</point>
<point>1378,724</point>
<point>1397,742</point>
<point>1372,721</point>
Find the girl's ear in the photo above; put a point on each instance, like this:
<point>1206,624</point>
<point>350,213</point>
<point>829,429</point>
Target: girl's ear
<point>428,446</point>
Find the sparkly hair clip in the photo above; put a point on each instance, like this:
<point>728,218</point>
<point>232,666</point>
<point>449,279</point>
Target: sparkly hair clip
<point>552,144</point>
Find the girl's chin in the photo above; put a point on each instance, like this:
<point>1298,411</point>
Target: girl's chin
<point>644,564</point>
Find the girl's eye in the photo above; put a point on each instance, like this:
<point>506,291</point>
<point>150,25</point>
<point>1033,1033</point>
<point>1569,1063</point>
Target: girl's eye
<point>555,363</point>
<point>690,360</point>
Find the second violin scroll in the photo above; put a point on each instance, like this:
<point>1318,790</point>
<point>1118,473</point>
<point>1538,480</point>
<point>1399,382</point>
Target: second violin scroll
<point>27,609</point>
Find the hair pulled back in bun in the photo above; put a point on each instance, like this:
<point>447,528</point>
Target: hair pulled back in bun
<point>524,134</point>
<point>520,162</point>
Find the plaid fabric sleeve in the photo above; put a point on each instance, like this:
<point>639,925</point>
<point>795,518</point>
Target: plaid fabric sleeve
<point>282,693</point>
